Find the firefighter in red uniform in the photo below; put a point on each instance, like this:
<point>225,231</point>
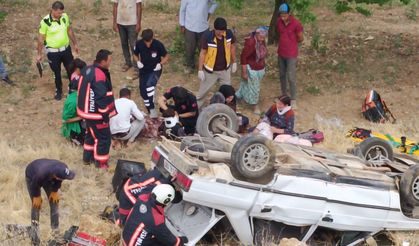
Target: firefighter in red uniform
<point>136,186</point>
<point>96,105</point>
<point>145,225</point>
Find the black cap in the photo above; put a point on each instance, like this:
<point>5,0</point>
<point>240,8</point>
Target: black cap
<point>65,173</point>
<point>220,24</point>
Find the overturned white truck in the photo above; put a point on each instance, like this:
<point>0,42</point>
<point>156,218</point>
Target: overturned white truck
<point>277,189</point>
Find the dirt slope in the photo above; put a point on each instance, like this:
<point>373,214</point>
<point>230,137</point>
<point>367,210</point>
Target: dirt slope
<point>354,54</point>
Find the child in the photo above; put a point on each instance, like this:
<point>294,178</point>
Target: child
<point>72,127</point>
<point>173,128</point>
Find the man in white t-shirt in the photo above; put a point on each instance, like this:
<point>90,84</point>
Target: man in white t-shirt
<point>129,121</point>
<point>127,22</point>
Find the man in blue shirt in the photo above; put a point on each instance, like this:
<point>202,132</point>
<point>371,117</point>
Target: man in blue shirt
<point>193,20</point>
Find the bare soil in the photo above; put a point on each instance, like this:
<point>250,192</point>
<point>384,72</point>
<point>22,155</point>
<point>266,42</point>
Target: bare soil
<point>354,54</point>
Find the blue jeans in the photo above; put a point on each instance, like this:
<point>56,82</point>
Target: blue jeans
<point>3,72</point>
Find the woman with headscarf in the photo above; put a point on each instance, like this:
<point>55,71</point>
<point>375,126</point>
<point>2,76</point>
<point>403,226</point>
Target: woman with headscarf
<point>227,95</point>
<point>253,67</point>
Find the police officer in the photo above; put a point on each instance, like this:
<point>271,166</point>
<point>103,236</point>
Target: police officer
<point>185,105</point>
<point>96,104</point>
<point>47,174</point>
<point>136,186</point>
<point>146,222</point>
<point>55,33</point>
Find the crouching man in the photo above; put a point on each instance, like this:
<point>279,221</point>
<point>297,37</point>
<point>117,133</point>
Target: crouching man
<point>146,222</point>
<point>47,174</point>
<point>129,121</point>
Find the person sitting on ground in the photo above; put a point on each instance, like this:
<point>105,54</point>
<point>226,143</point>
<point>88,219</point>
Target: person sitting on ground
<point>227,95</point>
<point>185,105</point>
<point>129,121</point>
<point>172,126</point>
<point>280,117</point>
<point>73,127</point>
<point>46,174</point>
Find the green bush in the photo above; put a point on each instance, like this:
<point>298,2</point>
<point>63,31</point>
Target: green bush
<point>2,16</point>
<point>363,11</point>
<point>342,7</point>
<point>301,9</point>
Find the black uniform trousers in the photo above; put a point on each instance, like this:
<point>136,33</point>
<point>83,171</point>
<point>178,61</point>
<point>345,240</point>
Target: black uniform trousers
<point>55,59</point>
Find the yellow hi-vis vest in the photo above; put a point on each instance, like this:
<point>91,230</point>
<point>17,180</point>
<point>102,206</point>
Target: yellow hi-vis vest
<point>211,55</point>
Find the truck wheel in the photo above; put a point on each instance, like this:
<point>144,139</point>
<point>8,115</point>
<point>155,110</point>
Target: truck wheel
<point>200,144</point>
<point>409,190</point>
<point>213,115</point>
<point>374,149</point>
<point>252,156</point>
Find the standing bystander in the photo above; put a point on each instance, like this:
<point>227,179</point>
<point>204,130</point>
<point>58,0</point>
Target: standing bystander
<point>193,20</point>
<point>127,22</point>
<point>290,33</point>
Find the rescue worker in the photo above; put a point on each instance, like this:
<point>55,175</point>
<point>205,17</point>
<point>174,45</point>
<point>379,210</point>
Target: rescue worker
<point>185,105</point>
<point>217,59</point>
<point>150,55</point>
<point>47,174</point>
<point>136,186</point>
<point>55,33</point>
<point>146,222</point>
<point>96,105</point>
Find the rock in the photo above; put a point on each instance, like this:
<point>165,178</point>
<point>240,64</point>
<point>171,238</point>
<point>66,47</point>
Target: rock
<point>335,63</point>
<point>10,110</point>
<point>369,38</point>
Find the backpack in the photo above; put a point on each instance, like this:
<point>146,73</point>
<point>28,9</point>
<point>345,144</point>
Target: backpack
<point>375,109</point>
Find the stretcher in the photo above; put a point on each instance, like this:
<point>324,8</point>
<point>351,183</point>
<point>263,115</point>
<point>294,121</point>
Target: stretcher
<point>402,144</point>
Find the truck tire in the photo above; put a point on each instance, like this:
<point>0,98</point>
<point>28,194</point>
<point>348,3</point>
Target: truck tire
<point>373,149</point>
<point>200,144</point>
<point>213,114</point>
<point>253,157</point>
<point>409,190</point>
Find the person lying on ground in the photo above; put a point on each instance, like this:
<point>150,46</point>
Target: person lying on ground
<point>129,121</point>
<point>227,95</point>
<point>47,174</point>
<point>185,105</point>
<point>172,126</point>
<point>146,223</point>
<point>136,186</point>
<point>73,127</point>
<point>280,117</point>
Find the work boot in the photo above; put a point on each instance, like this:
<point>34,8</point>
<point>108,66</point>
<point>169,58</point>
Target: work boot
<point>58,96</point>
<point>153,113</point>
<point>8,80</point>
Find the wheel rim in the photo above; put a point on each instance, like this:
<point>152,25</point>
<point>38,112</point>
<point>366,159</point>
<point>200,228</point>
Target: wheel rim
<point>256,157</point>
<point>376,153</point>
<point>218,119</point>
<point>415,188</point>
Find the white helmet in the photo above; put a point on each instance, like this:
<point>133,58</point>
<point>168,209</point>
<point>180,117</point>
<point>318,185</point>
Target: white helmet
<point>163,193</point>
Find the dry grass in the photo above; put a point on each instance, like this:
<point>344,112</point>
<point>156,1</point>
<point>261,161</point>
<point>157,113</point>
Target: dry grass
<point>31,118</point>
